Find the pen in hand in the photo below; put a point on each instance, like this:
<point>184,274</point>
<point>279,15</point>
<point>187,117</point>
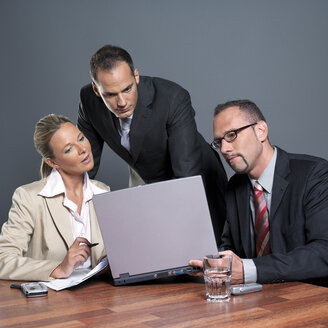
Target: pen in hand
<point>93,245</point>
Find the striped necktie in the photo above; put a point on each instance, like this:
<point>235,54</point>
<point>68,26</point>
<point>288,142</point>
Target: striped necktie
<point>262,233</point>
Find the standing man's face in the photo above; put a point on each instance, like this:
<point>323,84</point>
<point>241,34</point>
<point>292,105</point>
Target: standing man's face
<point>118,89</point>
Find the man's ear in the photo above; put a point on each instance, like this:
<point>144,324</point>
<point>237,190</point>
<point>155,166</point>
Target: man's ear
<point>51,163</point>
<point>261,130</point>
<point>95,89</point>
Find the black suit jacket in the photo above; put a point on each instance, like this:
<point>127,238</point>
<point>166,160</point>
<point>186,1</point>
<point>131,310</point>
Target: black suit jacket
<point>298,220</point>
<point>164,141</point>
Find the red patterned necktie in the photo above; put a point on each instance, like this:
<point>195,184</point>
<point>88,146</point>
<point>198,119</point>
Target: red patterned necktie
<point>262,233</point>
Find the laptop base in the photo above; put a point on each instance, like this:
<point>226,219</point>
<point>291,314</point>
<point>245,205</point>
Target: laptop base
<point>125,278</point>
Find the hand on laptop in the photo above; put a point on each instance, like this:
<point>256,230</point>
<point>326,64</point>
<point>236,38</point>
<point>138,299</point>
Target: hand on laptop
<point>198,264</point>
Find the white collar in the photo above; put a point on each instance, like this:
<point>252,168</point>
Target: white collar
<point>266,178</point>
<point>55,186</point>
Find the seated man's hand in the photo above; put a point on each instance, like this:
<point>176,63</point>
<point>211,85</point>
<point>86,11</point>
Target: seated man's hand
<point>237,276</point>
<point>196,263</point>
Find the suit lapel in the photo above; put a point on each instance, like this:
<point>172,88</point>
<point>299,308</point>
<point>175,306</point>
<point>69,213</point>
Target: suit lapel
<point>141,117</point>
<point>112,137</point>
<point>139,128</point>
<point>60,217</point>
<point>105,121</point>
<point>111,125</point>
<point>280,183</point>
<point>244,214</point>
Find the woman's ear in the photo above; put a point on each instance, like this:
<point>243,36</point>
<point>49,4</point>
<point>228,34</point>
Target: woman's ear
<point>261,130</point>
<point>51,162</point>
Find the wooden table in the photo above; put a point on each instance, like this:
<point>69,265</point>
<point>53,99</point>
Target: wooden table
<point>179,302</point>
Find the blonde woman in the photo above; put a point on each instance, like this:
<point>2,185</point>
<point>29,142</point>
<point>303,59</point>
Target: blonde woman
<point>52,222</point>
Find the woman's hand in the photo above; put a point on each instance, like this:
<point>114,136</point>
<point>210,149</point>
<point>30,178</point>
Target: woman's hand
<point>77,254</point>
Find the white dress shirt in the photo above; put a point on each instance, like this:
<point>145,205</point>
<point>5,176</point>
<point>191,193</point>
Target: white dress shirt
<point>80,222</point>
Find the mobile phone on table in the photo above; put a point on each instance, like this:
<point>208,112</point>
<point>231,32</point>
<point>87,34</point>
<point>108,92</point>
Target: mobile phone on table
<point>32,289</point>
<point>245,288</point>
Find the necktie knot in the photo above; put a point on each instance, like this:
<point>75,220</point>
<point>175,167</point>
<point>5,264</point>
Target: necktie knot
<point>125,123</point>
<point>258,193</point>
<point>257,186</point>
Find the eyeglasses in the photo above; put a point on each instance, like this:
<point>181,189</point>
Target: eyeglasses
<point>229,136</point>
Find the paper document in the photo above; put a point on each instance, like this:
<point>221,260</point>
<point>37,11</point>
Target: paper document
<point>76,277</point>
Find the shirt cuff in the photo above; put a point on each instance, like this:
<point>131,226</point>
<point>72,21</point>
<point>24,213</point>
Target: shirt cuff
<point>250,273</point>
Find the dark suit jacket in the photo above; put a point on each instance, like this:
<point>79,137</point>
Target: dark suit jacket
<point>164,140</point>
<point>298,220</point>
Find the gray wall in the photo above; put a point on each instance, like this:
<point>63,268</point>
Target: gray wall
<point>273,52</point>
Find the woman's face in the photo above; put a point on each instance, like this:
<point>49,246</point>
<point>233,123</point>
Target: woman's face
<point>71,150</point>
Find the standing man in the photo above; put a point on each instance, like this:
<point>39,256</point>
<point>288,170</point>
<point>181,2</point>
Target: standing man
<point>277,202</point>
<point>149,122</point>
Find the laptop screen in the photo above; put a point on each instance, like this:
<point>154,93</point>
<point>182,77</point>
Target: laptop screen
<point>155,227</point>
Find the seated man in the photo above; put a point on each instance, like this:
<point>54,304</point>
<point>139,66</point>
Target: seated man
<point>277,202</point>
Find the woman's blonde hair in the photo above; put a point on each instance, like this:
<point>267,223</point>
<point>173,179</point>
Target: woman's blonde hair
<point>44,130</point>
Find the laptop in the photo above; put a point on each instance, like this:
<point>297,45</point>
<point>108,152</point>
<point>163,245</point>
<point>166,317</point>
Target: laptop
<point>152,231</point>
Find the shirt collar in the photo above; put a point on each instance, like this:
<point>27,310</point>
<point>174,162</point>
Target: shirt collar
<point>125,121</point>
<point>266,178</point>
<point>55,186</point>
<point>126,117</point>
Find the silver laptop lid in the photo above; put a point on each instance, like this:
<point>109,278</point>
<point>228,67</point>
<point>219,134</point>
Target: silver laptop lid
<point>156,226</point>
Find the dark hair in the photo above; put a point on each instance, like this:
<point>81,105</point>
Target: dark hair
<point>250,109</point>
<point>107,58</point>
<point>44,130</point>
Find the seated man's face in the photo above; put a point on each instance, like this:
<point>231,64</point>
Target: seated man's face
<point>242,154</point>
<point>118,89</point>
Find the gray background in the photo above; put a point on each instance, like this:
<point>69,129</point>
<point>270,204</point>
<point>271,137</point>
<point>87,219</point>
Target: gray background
<point>272,52</point>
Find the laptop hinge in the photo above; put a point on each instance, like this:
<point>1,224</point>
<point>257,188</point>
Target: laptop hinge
<point>124,275</point>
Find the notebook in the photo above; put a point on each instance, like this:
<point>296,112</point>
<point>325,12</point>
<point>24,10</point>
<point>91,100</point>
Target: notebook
<point>152,231</point>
